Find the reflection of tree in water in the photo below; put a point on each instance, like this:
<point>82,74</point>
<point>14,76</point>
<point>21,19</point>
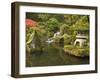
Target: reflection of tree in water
<point>53,55</point>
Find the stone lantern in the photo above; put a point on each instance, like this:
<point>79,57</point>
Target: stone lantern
<point>81,38</point>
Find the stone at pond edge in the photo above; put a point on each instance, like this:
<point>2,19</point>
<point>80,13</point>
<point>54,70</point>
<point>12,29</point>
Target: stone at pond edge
<point>78,52</point>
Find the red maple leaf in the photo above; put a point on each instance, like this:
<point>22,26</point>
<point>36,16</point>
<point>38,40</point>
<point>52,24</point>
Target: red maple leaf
<point>31,23</point>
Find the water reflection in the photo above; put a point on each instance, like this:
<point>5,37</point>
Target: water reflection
<point>52,55</point>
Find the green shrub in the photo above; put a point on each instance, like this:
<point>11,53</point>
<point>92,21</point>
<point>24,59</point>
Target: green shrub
<point>67,39</point>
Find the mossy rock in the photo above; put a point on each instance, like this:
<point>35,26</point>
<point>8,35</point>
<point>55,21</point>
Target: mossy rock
<point>79,52</point>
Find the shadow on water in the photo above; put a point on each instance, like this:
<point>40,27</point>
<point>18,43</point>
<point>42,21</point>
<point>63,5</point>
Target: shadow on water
<point>54,55</point>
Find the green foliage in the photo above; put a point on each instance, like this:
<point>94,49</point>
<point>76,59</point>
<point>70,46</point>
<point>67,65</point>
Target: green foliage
<point>82,24</point>
<point>56,39</point>
<point>50,34</point>
<point>35,36</point>
<point>66,39</point>
<point>48,24</point>
<point>66,23</point>
<point>43,17</point>
<point>29,35</point>
<point>52,25</point>
<point>73,37</point>
<point>64,29</point>
<point>37,39</point>
<point>76,51</point>
<point>71,19</point>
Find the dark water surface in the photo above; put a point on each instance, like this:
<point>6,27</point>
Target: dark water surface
<point>54,55</point>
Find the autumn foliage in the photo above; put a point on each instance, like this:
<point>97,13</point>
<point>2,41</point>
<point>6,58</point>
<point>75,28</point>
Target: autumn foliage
<point>31,23</point>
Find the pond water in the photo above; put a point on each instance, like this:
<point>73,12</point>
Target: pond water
<point>54,55</point>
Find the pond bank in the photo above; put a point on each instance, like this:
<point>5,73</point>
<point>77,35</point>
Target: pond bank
<point>76,51</point>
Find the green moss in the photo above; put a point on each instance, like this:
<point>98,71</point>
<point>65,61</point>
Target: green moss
<point>76,51</point>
